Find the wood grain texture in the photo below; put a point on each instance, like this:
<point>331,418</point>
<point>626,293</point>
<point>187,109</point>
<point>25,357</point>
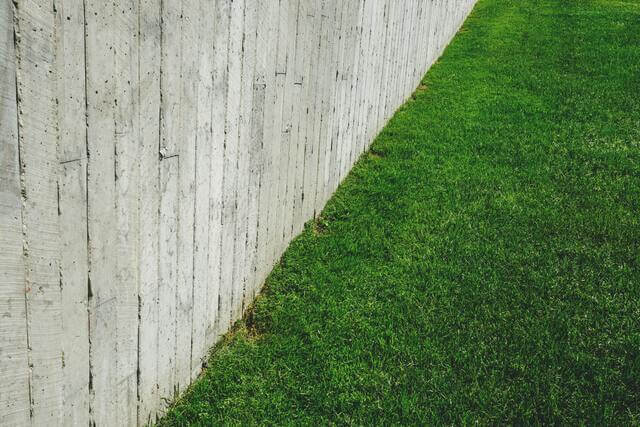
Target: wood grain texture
<point>38,143</point>
<point>14,372</point>
<point>158,156</point>
<point>72,190</point>
<point>149,204</point>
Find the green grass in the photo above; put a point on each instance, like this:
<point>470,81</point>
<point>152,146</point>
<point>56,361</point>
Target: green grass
<point>484,264</point>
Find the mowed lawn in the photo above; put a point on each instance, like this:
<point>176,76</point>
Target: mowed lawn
<point>482,262</point>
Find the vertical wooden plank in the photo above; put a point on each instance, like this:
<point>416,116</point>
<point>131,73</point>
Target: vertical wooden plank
<point>125,108</point>
<point>204,142</point>
<point>14,373</point>
<point>72,190</point>
<point>186,149</point>
<point>37,132</point>
<point>149,206</point>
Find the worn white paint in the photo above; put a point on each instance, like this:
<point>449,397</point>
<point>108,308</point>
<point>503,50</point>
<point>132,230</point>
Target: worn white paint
<point>157,156</point>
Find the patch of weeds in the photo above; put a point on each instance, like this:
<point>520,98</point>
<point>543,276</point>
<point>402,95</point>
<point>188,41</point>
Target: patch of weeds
<point>320,226</point>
